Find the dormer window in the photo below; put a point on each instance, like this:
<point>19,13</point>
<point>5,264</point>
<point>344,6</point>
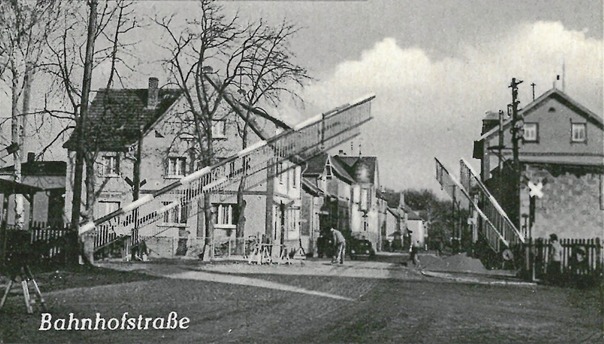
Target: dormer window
<point>531,132</point>
<point>110,166</point>
<point>328,172</point>
<point>578,132</point>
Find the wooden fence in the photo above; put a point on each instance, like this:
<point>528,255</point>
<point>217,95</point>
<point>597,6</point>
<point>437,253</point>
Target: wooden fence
<point>40,243</point>
<point>580,257</point>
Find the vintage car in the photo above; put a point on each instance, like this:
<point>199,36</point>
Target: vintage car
<point>360,248</point>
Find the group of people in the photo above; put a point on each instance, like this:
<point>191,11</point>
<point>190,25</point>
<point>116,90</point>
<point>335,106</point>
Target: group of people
<point>553,272</point>
<point>339,243</point>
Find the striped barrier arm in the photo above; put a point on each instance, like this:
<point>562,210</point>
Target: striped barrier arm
<point>456,190</point>
<point>490,206</point>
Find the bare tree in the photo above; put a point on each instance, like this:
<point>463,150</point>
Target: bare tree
<point>212,54</point>
<point>210,43</point>
<point>24,26</point>
<point>267,74</point>
<point>71,70</point>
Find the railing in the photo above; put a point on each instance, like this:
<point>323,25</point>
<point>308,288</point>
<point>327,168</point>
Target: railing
<point>489,205</point>
<point>304,141</point>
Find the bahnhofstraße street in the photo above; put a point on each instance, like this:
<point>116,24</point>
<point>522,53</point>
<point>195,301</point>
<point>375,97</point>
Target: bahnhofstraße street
<point>315,302</point>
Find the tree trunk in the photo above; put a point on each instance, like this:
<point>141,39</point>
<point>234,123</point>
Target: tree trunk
<point>16,138</point>
<point>90,186</point>
<point>209,229</point>
<point>240,229</point>
<point>80,130</point>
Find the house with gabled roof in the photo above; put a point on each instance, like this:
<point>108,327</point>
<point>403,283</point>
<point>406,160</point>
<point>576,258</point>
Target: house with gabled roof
<point>142,135</point>
<point>365,205</point>
<point>562,166</point>
<point>350,186</point>
<point>327,178</point>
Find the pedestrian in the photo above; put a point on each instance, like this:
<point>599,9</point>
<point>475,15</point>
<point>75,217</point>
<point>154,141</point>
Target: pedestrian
<point>414,250</point>
<point>555,260</point>
<point>339,244</point>
<point>143,250</point>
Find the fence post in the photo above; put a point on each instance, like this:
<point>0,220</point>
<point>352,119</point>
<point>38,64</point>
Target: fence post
<point>598,249</point>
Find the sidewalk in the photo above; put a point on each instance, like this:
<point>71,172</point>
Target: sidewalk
<point>457,268</point>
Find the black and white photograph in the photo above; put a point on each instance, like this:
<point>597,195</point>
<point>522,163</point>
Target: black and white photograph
<point>301,171</point>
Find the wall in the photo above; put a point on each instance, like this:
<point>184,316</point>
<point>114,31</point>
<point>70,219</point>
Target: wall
<point>572,204</point>
<point>554,119</point>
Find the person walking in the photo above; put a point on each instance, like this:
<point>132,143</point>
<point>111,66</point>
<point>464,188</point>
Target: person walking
<point>339,244</point>
<point>555,260</point>
<point>414,250</point>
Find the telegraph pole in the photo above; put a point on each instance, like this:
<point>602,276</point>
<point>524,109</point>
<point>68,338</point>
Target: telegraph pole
<point>517,133</point>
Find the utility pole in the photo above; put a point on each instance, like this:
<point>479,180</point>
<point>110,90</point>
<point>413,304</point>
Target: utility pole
<point>517,133</point>
<point>454,222</point>
<point>81,121</point>
<point>500,157</point>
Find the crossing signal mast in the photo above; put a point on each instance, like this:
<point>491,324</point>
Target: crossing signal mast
<point>517,135</point>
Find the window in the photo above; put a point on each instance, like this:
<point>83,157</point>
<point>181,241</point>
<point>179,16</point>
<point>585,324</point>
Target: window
<point>292,216</point>
<point>110,166</point>
<point>176,166</point>
<point>225,215</point>
<point>280,173</point>
<point>328,172</point>
<point>107,207</point>
<point>364,199</point>
<point>578,132</point>
<point>295,172</point>
<point>531,132</point>
<point>175,215</point>
<point>219,129</point>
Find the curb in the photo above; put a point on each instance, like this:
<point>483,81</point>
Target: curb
<point>451,277</point>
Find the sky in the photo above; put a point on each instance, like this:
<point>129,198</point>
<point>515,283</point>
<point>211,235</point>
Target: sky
<point>435,67</point>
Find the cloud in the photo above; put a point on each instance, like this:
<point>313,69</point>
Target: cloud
<point>429,108</point>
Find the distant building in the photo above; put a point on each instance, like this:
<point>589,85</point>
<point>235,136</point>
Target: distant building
<point>562,162</point>
<point>403,225</point>
<point>348,186</point>
<point>44,200</point>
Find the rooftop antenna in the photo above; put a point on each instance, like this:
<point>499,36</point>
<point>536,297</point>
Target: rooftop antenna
<point>533,86</point>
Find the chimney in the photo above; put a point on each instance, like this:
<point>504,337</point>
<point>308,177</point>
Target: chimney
<point>490,121</point>
<point>152,98</point>
<point>341,152</point>
<point>31,156</point>
<point>401,200</point>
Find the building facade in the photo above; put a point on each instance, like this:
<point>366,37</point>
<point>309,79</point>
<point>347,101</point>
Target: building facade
<point>146,135</point>
<point>562,164</point>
